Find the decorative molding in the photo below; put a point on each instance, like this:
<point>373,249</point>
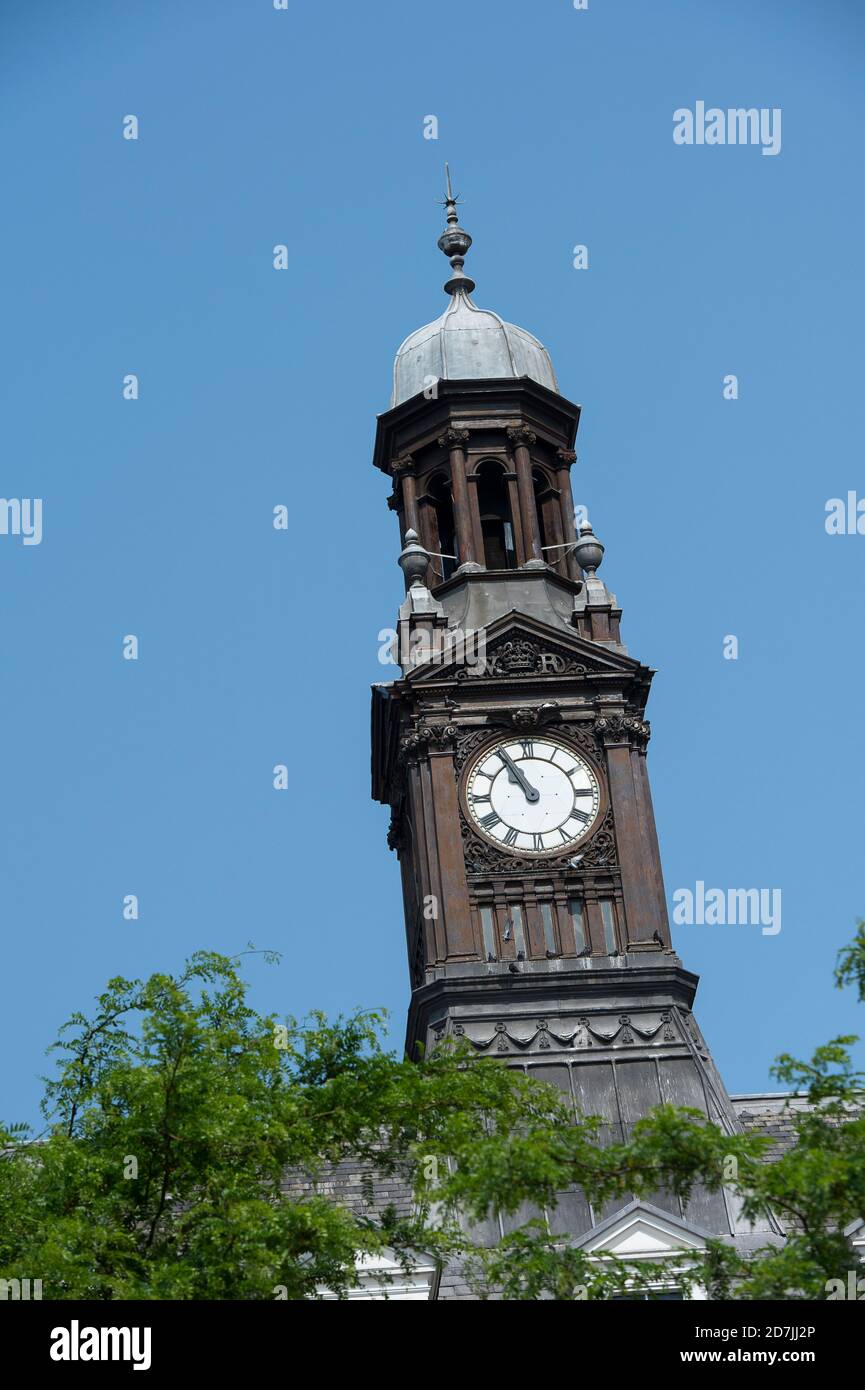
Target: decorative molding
<point>624,1032</point>
<point>468,742</point>
<point>622,728</point>
<point>453,439</point>
<point>534,716</point>
<point>582,734</point>
<point>525,656</point>
<point>520,434</point>
<point>598,853</point>
<point>419,741</point>
<point>401,465</point>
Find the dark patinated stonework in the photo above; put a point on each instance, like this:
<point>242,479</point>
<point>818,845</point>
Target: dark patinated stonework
<point>595,998</point>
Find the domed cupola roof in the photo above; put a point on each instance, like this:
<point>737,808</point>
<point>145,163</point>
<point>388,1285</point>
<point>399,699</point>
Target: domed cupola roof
<point>466,342</point>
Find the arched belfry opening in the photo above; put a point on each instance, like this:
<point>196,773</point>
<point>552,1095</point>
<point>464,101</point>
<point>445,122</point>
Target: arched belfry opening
<point>497,528</point>
<point>439,491</point>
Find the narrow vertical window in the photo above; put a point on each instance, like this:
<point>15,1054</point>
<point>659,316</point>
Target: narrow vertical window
<point>549,929</point>
<point>575,907</point>
<point>515,925</point>
<point>609,926</point>
<point>488,926</point>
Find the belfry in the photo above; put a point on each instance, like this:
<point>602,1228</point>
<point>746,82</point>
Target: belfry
<point>521,813</point>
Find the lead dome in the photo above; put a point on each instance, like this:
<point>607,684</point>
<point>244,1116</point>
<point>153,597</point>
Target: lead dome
<point>465,342</point>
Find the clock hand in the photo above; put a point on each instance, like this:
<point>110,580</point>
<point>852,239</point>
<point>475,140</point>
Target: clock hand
<point>516,775</point>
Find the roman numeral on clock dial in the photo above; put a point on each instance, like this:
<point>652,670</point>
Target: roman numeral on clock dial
<point>525,794</point>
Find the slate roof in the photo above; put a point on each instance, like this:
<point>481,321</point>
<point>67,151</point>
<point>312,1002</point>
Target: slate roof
<point>771,1114</point>
<point>366,1192</point>
<point>358,1188</point>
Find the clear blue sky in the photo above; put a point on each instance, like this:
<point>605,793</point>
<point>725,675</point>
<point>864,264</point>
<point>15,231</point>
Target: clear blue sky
<point>261,387</point>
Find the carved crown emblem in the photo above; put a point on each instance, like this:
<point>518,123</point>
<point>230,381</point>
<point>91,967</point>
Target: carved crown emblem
<point>514,657</point>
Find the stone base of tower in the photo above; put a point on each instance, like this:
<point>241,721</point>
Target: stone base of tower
<point>617,1035</point>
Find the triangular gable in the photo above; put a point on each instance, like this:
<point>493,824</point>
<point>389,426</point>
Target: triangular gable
<point>855,1233</point>
<point>643,1231</point>
<point>517,646</point>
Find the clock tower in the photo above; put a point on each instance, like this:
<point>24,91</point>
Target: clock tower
<point>512,750</point>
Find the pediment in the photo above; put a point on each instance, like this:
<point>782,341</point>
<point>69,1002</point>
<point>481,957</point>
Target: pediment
<point>643,1231</point>
<point>855,1233</point>
<point>517,647</point>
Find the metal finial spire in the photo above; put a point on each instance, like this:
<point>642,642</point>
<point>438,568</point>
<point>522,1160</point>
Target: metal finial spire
<point>455,242</point>
<point>450,202</point>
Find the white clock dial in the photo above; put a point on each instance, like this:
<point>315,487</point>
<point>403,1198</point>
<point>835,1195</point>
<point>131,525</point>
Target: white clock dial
<point>533,795</point>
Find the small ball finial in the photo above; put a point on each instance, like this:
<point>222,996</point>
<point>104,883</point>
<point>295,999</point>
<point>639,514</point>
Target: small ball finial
<point>413,559</point>
<point>588,550</point>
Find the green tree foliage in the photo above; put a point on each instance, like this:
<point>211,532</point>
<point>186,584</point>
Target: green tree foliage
<point>178,1111</point>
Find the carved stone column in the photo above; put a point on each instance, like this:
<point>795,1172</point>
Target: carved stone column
<point>402,472</point>
<point>455,442</point>
<point>650,837</point>
<point>520,550</point>
<point>564,459</point>
<point>431,749</point>
<point>639,866</point>
<point>475,514</point>
<point>521,439</point>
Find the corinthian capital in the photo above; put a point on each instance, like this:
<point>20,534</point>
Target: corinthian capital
<point>403,464</point>
<point>453,439</point>
<point>622,728</point>
<point>521,434</point>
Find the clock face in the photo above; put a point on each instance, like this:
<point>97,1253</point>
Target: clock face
<point>532,796</point>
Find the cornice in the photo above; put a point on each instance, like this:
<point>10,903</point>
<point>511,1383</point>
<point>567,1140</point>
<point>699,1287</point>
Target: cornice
<point>500,402</point>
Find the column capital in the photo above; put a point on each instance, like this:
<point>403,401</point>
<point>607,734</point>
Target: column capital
<point>566,456</point>
<point>403,464</point>
<point>622,728</point>
<point>453,439</point>
<point>521,434</point>
<point>428,739</point>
